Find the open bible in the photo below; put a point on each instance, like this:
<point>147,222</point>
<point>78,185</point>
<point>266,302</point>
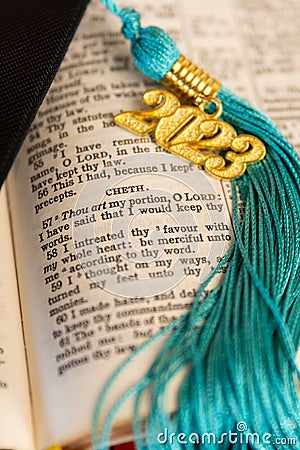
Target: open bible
<point>106,237</point>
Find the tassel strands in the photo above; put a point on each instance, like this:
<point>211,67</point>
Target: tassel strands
<point>237,346</point>
<point>153,50</point>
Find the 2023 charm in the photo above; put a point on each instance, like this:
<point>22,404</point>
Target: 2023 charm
<point>194,134</point>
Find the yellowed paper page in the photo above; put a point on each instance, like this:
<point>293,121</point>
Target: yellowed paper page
<point>15,413</point>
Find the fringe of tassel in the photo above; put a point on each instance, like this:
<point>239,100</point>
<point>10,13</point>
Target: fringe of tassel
<point>237,347</point>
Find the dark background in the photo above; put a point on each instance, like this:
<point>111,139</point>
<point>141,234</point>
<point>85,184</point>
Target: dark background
<point>34,36</point>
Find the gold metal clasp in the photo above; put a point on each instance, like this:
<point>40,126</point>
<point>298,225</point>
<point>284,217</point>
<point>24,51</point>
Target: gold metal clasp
<point>186,79</point>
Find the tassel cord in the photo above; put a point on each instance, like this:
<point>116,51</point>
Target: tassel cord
<point>166,370</point>
<point>290,219</point>
<point>269,216</point>
<point>284,332</point>
<point>288,287</point>
<point>284,271</point>
<point>259,228</point>
<point>204,309</point>
<point>112,7</point>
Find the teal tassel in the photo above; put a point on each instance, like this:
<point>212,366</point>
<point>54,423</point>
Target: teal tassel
<point>154,51</point>
<point>239,365</point>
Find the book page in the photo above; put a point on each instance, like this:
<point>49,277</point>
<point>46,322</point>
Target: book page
<point>15,414</point>
<point>114,235</point>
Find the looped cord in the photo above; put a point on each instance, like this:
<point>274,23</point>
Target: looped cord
<point>154,51</point>
<point>112,6</point>
<point>131,23</point>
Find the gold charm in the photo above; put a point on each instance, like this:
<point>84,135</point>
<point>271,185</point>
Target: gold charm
<point>193,133</point>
